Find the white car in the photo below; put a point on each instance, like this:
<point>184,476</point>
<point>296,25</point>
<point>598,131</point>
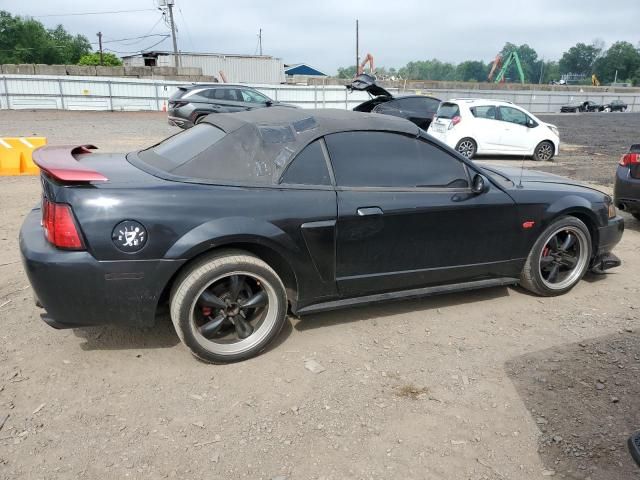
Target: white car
<point>492,127</point>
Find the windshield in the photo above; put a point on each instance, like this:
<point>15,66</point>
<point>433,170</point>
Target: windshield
<point>448,110</point>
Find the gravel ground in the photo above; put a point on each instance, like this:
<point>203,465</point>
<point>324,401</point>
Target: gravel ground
<point>492,384</point>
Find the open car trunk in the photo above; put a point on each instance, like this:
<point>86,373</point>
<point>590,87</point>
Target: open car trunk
<point>367,83</point>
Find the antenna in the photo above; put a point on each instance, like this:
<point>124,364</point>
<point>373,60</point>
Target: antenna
<point>521,172</point>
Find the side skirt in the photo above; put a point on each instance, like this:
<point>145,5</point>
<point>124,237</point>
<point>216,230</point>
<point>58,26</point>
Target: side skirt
<point>406,294</point>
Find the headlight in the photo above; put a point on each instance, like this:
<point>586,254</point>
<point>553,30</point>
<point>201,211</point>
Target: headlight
<point>554,130</point>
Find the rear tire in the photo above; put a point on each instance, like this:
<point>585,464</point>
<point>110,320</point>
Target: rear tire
<point>552,270</point>
<point>467,147</point>
<point>211,309</point>
<point>544,152</point>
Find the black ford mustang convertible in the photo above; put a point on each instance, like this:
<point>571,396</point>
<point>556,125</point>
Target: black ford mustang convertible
<point>234,222</point>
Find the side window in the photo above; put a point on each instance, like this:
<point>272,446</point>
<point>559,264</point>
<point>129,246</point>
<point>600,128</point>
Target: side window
<point>382,159</point>
<point>308,168</point>
<point>253,97</point>
<point>513,115</point>
<point>484,111</point>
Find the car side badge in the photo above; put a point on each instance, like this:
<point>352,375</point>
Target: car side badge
<point>129,236</point>
<point>528,224</point>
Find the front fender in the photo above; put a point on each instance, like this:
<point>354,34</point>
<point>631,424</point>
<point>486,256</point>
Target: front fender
<point>226,230</point>
<point>574,204</point>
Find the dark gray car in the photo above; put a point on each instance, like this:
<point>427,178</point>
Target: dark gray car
<point>191,103</point>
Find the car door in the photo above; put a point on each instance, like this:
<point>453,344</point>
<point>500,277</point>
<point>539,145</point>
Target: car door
<point>516,135</point>
<point>487,128</point>
<point>226,100</point>
<point>407,217</point>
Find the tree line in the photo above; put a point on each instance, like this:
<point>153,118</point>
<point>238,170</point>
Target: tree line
<point>25,40</point>
<point>620,62</point>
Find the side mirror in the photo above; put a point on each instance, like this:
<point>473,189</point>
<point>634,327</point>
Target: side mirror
<point>268,103</point>
<point>479,184</point>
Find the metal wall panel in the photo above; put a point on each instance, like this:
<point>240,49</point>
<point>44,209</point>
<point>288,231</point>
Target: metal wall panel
<point>109,93</point>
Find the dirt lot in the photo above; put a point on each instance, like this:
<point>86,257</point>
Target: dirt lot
<point>492,384</point>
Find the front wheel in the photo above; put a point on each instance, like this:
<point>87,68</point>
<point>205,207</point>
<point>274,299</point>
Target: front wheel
<point>544,151</point>
<point>228,306</point>
<point>467,147</point>
<point>559,258</point>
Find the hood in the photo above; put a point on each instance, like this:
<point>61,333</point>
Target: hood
<point>517,175</point>
<point>367,83</point>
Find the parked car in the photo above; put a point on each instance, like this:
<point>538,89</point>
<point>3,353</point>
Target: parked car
<point>587,106</point>
<point>626,190</point>
<point>616,106</point>
<point>480,127</point>
<point>418,109</point>
<point>245,216</point>
<point>191,103</point>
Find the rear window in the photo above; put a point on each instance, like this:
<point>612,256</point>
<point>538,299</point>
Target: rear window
<point>448,110</point>
<point>178,93</point>
<point>250,154</point>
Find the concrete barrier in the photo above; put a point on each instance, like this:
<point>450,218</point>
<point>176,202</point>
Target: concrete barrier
<point>16,155</point>
<point>103,71</point>
<point>138,71</point>
<point>20,69</point>
<point>81,70</point>
<point>41,69</point>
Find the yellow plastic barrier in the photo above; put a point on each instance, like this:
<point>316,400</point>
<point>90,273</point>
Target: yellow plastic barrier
<point>16,155</point>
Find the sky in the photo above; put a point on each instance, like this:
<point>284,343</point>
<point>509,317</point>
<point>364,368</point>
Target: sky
<point>322,32</point>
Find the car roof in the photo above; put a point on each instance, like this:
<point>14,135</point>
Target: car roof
<point>416,95</point>
<point>264,141</point>
<point>213,85</point>
<point>480,101</point>
<point>308,124</point>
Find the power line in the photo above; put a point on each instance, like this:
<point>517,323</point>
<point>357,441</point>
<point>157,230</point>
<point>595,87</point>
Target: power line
<point>93,13</point>
<point>142,37</point>
<point>143,49</point>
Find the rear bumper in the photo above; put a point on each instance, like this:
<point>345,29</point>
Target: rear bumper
<point>626,191</point>
<point>77,290</point>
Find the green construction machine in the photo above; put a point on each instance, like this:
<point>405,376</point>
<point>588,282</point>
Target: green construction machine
<point>504,67</point>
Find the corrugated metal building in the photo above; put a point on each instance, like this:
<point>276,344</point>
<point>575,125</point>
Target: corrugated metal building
<point>236,68</point>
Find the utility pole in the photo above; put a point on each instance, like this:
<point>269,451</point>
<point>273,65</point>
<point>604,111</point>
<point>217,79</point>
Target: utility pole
<point>260,41</point>
<point>176,55</point>
<point>100,47</point>
<point>357,48</point>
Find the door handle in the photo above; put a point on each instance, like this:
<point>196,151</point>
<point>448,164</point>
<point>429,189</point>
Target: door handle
<point>367,211</point>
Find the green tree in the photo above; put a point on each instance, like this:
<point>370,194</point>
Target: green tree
<point>428,70</point>
<point>25,40</point>
<point>623,58</point>
<point>108,59</point>
<point>347,72</point>
<point>579,59</point>
<point>472,71</point>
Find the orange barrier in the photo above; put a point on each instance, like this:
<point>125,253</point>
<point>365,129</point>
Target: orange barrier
<point>16,155</point>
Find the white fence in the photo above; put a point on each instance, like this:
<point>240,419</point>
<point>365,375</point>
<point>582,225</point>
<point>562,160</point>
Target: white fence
<point>107,93</point>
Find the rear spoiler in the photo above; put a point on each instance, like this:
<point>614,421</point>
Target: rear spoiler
<point>60,163</point>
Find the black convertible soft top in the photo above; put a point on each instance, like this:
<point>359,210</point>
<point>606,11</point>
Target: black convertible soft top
<point>256,146</point>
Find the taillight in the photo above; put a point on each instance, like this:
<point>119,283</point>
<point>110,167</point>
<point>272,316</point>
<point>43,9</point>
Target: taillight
<point>454,121</point>
<point>176,104</point>
<point>59,226</point>
<point>630,159</point>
